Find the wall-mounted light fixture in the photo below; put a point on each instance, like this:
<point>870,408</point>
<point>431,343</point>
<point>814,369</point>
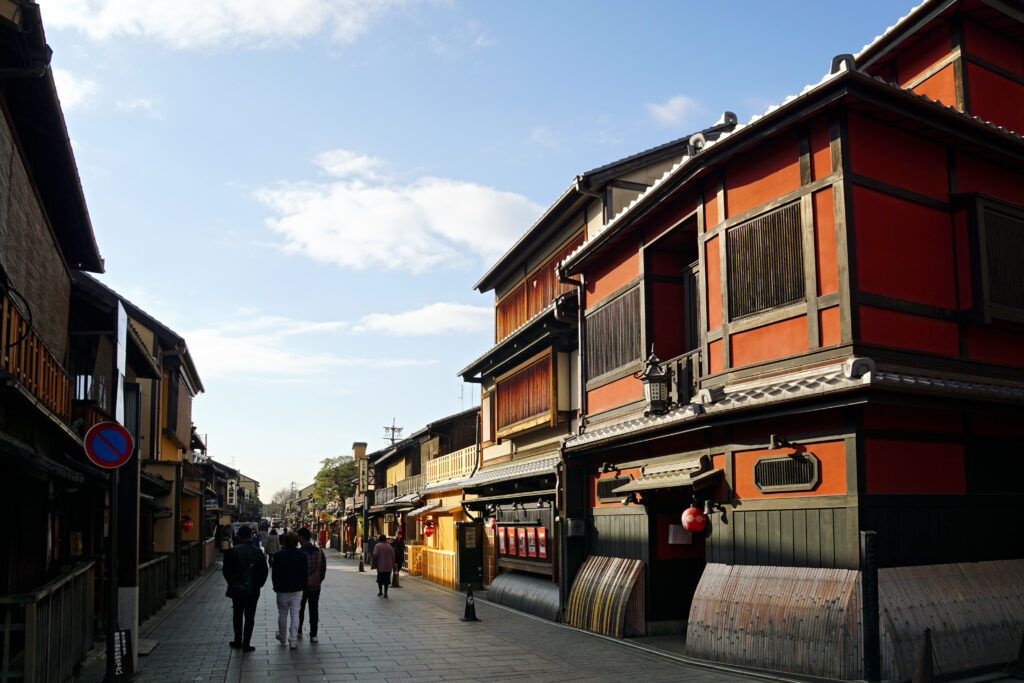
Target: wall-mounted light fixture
<point>776,441</point>
<point>655,379</point>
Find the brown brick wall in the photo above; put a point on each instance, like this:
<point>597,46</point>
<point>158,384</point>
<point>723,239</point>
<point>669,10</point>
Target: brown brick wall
<point>28,250</point>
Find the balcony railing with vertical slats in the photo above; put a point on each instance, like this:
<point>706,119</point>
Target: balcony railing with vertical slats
<point>23,354</point>
<point>411,484</point>
<point>457,464</point>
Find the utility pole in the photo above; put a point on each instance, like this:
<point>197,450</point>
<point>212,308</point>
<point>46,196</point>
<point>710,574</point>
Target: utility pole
<point>393,433</point>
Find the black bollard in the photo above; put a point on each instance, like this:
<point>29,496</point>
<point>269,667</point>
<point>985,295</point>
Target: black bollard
<point>470,606</point>
<point>924,670</point>
<point>361,567</point>
<point>394,580</point>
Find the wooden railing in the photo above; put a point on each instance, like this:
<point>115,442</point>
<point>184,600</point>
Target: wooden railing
<point>685,373</point>
<point>384,495</point>
<point>48,631</point>
<point>436,565</point>
<point>191,557</point>
<point>23,354</point>
<point>411,484</point>
<point>457,464</point>
<point>156,584</point>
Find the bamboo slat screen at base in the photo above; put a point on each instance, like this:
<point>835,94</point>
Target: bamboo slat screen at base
<point>809,620</point>
<point>438,566</point>
<point>607,597</point>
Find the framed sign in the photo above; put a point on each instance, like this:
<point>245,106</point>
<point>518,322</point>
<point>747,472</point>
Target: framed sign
<point>542,542</point>
<point>521,532</point>
<point>531,541</point>
<point>501,540</point>
<point>511,541</point>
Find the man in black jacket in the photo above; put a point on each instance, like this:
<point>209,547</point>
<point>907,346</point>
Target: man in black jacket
<point>245,569</point>
<point>289,577</point>
<point>315,573</point>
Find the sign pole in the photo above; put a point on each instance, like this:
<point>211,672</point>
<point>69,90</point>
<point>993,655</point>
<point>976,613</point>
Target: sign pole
<point>112,577</point>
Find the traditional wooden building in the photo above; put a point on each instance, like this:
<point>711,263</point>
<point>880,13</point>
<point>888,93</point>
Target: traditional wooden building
<point>835,288</point>
<point>529,379</point>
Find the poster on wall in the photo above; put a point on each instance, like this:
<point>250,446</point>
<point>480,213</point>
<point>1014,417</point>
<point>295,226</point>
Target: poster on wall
<point>511,541</point>
<point>522,542</point>
<point>542,542</point>
<point>501,540</point>
<point>531,541</point>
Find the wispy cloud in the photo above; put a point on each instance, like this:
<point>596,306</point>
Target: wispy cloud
<point>261,347</point>
<point>467,37</point>
<point>434,319</point>
<point>361,219</point>
<point>680,110</point>
<point>73,91</point>
<point>542,135</point>
<point>189,24</point>
<point>145,105</point>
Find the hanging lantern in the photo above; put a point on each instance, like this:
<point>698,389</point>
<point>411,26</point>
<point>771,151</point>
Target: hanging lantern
<point>694,520</point>
<point>428,529</point>
<point>655,379</point>
<point>187,523</point>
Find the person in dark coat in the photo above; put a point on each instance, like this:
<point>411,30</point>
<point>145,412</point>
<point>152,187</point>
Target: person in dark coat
<point>383,559</point>
<point>246,569</point>
<point>316,572</point>
<point>399,545</point>
<point>290,570</point>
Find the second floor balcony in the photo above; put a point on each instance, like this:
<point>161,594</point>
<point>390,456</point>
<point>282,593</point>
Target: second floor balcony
<point>26,358</point>
<point>451,466</point>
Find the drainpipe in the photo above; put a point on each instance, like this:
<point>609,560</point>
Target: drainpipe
<point>581,333</point>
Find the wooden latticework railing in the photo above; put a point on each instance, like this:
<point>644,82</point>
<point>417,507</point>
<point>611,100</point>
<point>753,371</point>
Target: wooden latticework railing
<point>434,565</point>
<point>411,484</point>
<point>23,354</point>
<point>457,464</point>
<point>48,631</point>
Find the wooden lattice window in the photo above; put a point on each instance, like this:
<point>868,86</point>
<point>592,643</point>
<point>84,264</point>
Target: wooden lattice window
<point>613,335</point>
<point>777,473</point>
<point>766,262</point>
<point>1004,258</point>
<point>524,397</point>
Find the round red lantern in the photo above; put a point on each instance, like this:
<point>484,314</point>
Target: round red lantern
<point>428,529</point>
<point>694,520</point>
<point>187,523</point>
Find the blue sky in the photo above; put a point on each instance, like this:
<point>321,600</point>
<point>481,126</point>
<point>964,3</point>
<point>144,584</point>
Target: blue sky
<point>308,190</point>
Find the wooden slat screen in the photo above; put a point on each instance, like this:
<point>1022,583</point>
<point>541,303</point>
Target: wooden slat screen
<point>525,394</point>
<point>538,290</point>
<point>1004,244</point>
<point>766,264</point>
<point>613,334</point>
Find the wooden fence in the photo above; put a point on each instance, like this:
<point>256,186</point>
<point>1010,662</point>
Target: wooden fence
<point>457,464</point>
<point>156,584</point>
<point>48,631</point>
<point>434,565</point>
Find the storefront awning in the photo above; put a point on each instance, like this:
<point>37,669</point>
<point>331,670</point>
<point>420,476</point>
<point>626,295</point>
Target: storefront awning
<point>510,471</point>
<point>426,508</point>
<point>408,502</point>
<point>695,472</point>
<point>152,503</point>
<point>486,501</point>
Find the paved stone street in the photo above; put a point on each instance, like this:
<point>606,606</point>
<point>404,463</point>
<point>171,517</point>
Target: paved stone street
<point>415,635</point>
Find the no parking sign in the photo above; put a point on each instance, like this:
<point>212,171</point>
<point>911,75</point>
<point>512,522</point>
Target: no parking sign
<point>108,445</point>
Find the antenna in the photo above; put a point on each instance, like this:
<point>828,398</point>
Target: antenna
<point>462,392</point>
<point>392,433</point>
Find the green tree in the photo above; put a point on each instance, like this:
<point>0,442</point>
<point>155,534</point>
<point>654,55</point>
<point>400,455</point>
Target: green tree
<point>334,480</point>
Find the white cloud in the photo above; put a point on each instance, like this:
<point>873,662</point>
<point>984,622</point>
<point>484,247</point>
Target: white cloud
<point>187,24</point>
<point>438,318</point>
<point>261,348</point>
<point>678,111</point>
<point>460,39</point>
<point>73,91</point>
<point>366,221</point>
<point>140,104</point>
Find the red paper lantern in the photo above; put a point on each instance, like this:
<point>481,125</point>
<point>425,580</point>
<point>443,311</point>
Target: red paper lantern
<point>694,520</point>
<point>428,529</point>
<point>187,524</point>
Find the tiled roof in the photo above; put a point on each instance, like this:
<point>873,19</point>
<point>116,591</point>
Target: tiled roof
<point>426,508</point>
<point>449,485</point>
<point>854,373</point>
<point>513,470</point>
<point>894,28</point>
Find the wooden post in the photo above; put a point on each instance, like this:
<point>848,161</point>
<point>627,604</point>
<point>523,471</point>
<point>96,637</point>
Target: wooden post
<point>869,594</point>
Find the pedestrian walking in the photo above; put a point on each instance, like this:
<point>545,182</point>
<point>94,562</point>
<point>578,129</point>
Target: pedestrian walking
<point>272,544</point>
<point>316,571</point>
<point>245,570</point>
<point>399,545</point>
<point>383,560</point>
<point>289,578</point>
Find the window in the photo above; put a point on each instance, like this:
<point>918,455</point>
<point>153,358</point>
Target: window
<point>613,335</point>
<point>606,488</point>
<point>797,472</point>
<point>524,397</point>
<point>1001,238</point>
<point>766,262</point>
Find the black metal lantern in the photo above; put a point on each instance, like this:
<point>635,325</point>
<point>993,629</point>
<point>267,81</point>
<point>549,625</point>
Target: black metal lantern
<point>655,379</point>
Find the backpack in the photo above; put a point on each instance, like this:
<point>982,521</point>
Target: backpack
<point>243,587</point>
<point>313,561</point>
